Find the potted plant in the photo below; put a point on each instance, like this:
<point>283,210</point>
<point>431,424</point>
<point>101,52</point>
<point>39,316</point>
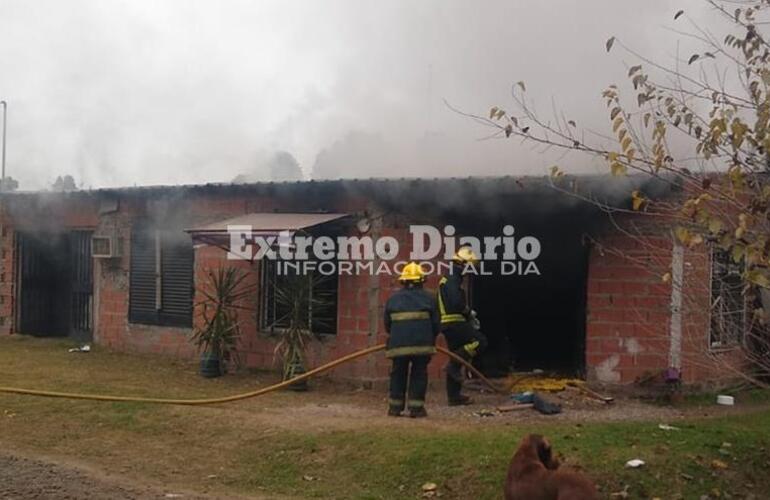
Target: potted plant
<point>218,334</point>
<point>297,296</point>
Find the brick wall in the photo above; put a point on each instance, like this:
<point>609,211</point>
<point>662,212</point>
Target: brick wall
<point>628,330</point>
<point>7,274</point>
<point>628,306</point>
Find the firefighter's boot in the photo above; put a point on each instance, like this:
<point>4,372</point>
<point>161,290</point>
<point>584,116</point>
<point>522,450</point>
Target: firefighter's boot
<point>418,412</point>
<point>461,401</point>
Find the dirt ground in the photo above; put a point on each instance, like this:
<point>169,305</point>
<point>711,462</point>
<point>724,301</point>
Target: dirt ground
<point>326,407</point>
<point>59,448</point>
<point>26,478</point>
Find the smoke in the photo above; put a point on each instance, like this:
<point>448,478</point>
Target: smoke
<point>119,92</point>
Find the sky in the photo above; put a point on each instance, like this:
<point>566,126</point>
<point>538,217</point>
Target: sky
<point>144,92</point>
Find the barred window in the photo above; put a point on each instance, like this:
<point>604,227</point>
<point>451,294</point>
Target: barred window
<point>161,277</point>
<point>284,292</point>
<point>728,304</point>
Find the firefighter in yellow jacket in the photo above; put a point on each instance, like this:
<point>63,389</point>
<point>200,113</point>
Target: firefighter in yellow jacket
<point>459,324</point>
<point>412,322</point>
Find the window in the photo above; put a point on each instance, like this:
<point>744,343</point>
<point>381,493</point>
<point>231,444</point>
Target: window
<point>728,305</point>
<point>283,290</point>
<point>161,277</point>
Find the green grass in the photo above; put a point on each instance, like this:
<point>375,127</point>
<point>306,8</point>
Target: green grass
<point>253,448</point>
<point>472,463</point>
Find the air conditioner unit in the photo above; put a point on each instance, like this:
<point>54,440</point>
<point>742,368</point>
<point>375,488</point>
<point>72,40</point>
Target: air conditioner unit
<point>106,247</point>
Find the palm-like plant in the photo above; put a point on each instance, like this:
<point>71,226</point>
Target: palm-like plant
<point>297,297</point>
<point>223,293</point>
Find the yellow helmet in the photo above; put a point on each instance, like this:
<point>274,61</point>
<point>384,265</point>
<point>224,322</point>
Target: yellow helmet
<point>465,255</point>
<point>412,273</point>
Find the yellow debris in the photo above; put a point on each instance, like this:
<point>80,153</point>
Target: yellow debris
<point>524,383</point>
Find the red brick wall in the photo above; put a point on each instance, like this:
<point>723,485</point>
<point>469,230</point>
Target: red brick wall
<point>628,306</point>
<point>628,330</point>
<point>7,274</point>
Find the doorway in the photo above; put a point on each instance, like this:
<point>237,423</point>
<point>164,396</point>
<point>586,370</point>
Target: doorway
<point>55,280</point>
<point>535,320</point>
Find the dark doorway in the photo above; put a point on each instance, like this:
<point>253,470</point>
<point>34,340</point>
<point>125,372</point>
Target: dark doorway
<point>81,274</point>
<point>55,276</point>
<point>534,321</point>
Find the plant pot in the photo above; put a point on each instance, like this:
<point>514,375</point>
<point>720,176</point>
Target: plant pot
<point>211,366</point>
<point>294,369</point>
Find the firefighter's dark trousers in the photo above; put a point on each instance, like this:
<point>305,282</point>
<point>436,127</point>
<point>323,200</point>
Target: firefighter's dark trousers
<point>457,336</point>
<point>411,370</point>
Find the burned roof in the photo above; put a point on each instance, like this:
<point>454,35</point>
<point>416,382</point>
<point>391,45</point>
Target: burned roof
<point>449,193</point>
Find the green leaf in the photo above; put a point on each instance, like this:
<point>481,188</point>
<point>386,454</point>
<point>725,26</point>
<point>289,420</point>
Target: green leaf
<point>693,58</point>
<point>610,42</point>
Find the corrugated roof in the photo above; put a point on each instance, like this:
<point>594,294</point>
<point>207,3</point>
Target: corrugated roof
<point>270,222</point>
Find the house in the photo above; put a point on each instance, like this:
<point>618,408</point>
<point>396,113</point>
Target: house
<point>119,267</point>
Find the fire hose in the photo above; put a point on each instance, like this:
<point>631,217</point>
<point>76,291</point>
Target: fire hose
<point>245,395</point>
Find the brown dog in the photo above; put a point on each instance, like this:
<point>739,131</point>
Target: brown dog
<point>534,474</point>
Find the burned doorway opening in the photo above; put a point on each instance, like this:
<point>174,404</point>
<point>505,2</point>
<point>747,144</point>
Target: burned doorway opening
<point>55,278</point>
<point>535,320</point>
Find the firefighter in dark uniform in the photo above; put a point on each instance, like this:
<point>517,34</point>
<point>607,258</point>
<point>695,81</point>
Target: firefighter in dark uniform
<point>412,322</point>
<point>459,324</point>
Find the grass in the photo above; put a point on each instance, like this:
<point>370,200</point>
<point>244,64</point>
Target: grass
<point>265,447</point>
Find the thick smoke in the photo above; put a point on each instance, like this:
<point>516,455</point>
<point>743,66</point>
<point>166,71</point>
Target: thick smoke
<point>143,92</point>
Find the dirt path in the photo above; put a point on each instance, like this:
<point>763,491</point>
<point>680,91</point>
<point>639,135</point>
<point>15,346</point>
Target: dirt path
<point>25,478</point>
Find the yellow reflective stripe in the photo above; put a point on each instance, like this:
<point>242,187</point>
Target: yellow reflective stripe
<point>410,315</point>
<point>452,318</point>
<point>441,308</point>
<point>471,348</point>
<point>413,403</point>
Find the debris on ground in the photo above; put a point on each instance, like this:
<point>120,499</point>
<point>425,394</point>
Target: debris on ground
<point>620,494</point>
<point>634,463</point>
<point>83,348</point>
<point>545,404</point>
<point>666,427</point>
<point>582,388</point>
<point>484,413</point>
<point>725,400</point>
<point>429,490</point>
<point>515,407</point>
<point>718,464</point>
<point>532,382</point>
<point>523,397</point>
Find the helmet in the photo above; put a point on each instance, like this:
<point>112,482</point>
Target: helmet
<point>465,255</point>
<point>412,273</point>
